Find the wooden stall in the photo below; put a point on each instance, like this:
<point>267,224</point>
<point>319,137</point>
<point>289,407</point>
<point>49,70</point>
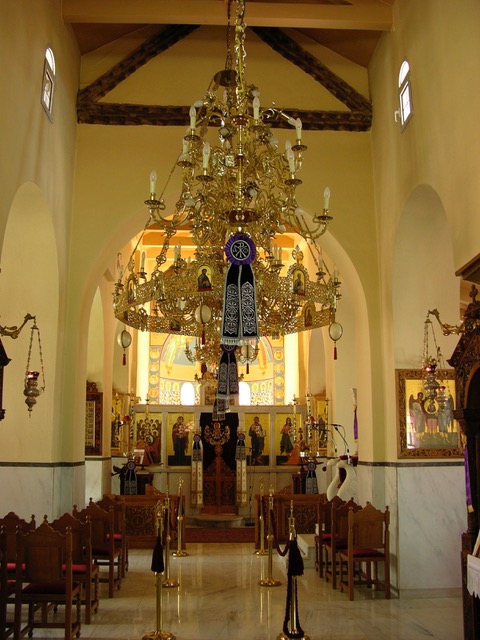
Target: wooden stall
<point>140,515</point>
<point>305,512</point>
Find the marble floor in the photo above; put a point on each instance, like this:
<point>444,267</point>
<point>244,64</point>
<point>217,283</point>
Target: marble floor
<point>219,598</point>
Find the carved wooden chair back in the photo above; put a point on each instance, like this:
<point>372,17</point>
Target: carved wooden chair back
<point>368,546</point>
<point>11,522</point>
<point>323,534</point>
<point>338,537</point>
<point>44,580</point>
<point>84,570</point>
<point>104,551</point>
<point>120,524</point>
<point>7,589</point>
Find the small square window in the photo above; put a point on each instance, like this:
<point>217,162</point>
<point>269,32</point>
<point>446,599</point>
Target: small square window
<point>48,84</point>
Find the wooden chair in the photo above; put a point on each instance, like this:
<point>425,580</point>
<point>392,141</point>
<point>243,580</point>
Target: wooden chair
<point>368,545</point>
<point>11,522</point>
<point>120,535</point>
<point>338,539</point>
<point>7,589</point>
<point>104,551</point>
<point>324,527</point>
<point>44,580</point>
<point>84,570</point>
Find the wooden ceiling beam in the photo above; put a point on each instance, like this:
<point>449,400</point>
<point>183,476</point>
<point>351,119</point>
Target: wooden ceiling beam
<point>360,14</point>
<point>292,51</point>
<point>169,116</point>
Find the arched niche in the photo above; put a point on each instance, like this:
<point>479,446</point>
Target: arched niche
<point>29,283</point>
<point>423,275</point>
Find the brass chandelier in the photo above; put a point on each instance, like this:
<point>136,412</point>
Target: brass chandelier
<point>238,184</point>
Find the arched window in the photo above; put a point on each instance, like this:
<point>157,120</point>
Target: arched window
<point>244,394</point>
<point>48,82</point>
<point>187,394</point>
<point>404,93</point>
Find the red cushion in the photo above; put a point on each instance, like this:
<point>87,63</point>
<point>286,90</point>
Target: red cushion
<point>116,536</point>
<point>81,568</point>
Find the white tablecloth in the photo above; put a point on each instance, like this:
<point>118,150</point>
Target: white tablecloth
<point>473,575</point>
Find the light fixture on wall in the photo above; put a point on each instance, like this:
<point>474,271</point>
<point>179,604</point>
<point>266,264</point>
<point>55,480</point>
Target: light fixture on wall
<point>238,195</point>
<point>31,389</point>
<point>433,367</point>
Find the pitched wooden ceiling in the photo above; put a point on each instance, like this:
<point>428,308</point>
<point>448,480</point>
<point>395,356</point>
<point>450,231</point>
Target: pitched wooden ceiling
<point>351,28</point>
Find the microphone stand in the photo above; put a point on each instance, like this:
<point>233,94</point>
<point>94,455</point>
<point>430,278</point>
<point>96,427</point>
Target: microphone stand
<point>347,450</point>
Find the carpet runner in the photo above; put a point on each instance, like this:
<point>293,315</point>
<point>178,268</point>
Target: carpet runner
<point>212,534</point>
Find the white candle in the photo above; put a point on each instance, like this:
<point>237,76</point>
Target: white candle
<point>256,107</point>
<point>142,262</point>
<point>193,117</point>
<point>291,160</point>
<point>206,154</point>
<point>326,198</point>
<point>298,127</point>
<point>153,181</point>
<point>184,147</point>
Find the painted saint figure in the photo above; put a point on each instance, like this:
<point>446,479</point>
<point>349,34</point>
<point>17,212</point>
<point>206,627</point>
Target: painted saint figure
<point>257,435</point>
<point>286,444</point>
<point>180,441</point>
<point>204,283</point>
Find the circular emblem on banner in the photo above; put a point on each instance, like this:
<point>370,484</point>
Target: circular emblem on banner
<point>241,436</point>
<point>228,348</point>
<point>131,465</point>
<point>240,250</point>
<point>311,466</point>
<point>196,438</point>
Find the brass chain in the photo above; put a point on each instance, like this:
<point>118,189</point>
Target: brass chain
<point>35,328</point>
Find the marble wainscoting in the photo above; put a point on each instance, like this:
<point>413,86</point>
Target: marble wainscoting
<point>98,478</point>
<point>432,516</point>
<point>428,515</point>
<point>41,488</point>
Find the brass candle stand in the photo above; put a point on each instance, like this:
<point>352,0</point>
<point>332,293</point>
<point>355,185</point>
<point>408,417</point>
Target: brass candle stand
<point>293,629</point>
<point>262,551</point>
<point>269,581</point>
<point>168,582</point>
<point>180,553</point>
<point>158,634</point>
